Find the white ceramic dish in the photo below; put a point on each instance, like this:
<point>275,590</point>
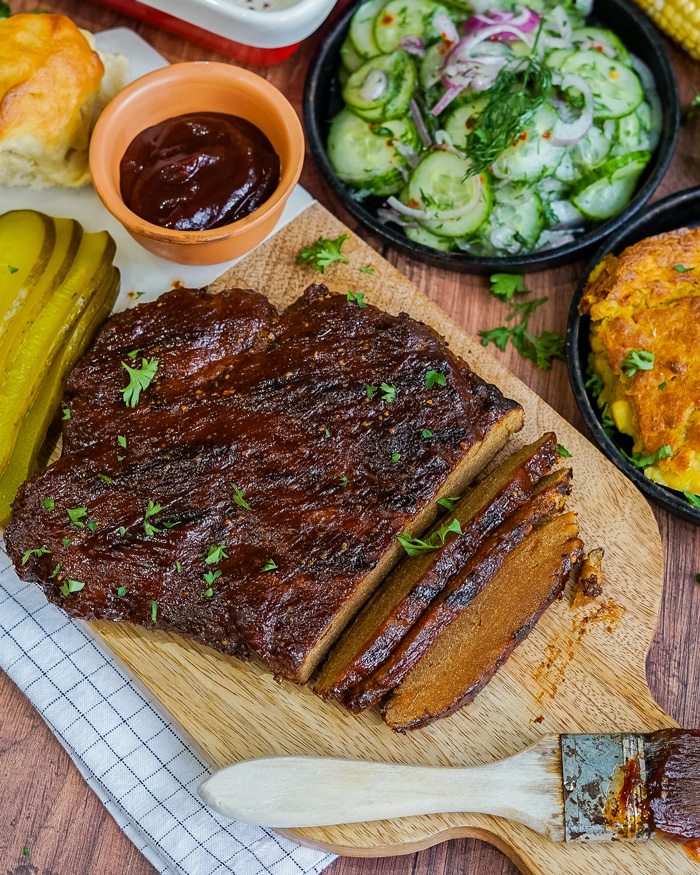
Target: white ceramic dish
<point>144,276</point>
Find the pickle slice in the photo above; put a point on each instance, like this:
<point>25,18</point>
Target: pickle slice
<point>36,354</point>
<point>39,287</point>
<point>37,420</point>
<point>27,239</point>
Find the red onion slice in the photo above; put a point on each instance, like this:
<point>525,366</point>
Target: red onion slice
<point>568,133</point>
<point>407,152</point>
<point>413,45</point>
<point>442,215</point>
<point>446,99</point>
<point>420,124</point>
<point>525,21</point>
<point>374,85</point>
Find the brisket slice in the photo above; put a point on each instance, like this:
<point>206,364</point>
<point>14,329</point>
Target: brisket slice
<point>278,406</point>
<point>467,654</point>
<point>413,584</point>
<point>547,497</point>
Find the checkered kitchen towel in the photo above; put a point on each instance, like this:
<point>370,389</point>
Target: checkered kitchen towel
<point>131,757</point>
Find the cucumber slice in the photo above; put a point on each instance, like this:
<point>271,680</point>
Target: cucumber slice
<point>349,56</point>
<point>603,192</point>
<point>616,88</point>
<point>601,40</point>
<point>533,156</point>
<point>461,120</point>
<point>635,131</point>
<point>438,184</point>
<point>427,238</point>
<point>592,150</point>
<point>362,29</point>
<point>365,155</point>
<point>400,18</point>
<point>516,221</point>
<point>392,102</point>
<point>432,63</point>
<point>556,58</point>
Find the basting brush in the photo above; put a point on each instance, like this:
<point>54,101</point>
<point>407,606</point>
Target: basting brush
<point>572,788</point>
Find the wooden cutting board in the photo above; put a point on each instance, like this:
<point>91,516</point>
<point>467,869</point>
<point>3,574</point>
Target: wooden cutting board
<point>580,671</point>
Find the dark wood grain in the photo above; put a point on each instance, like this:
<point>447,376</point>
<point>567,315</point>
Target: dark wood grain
<point>44,803</point>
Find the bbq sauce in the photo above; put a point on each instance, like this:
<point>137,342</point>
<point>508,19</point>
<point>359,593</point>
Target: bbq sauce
<point>673,783</point>
<point>198,171</point>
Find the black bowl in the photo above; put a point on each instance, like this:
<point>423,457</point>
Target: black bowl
<point>676,211</point>
<point>323,100</point>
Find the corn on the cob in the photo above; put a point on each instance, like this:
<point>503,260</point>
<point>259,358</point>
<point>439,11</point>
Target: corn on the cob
<point>680,19</point>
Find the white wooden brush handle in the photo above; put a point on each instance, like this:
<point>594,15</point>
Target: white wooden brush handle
<point>298,791</point>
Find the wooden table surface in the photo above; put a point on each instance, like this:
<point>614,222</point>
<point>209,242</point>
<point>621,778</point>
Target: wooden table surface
<point>44,803</point>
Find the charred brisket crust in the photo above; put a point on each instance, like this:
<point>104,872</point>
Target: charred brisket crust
<point>439,569</point>
<point>459,593</point>
<point>277,406</point>
<point>520,635</point>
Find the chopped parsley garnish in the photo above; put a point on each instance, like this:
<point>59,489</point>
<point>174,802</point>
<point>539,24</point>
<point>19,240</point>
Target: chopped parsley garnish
<point>681,268</point>
<point>25,850</point>
<point>449,503</point>
<point>121,440</point>
<point>216,554</point>
<point>343,481</point>
<point>9,266</point>
<point>541,350</point>
<point>322,253</point>
<point>105,478</point>
<point>326,433</point>
<point>415,546</point>
<point>388,392</point>
<point>662,386</point>
<point>270,565</point>
<point>637,360</point>
<point>66,414</point>
<point>607,421</point>
<point>238,497</point>
<point>367,269</point>
<point>154,611</point>
<point>371,392</point>
<point>593,383</point>
<point>39,551</point>
<point>151,511</point>
<point>641,461</point>
<point>122,531</point>
<point>76,514</point>
<point>55,571</point>
<point>211,576</point>
<point>427,433</point>
<point>692,498</point>
<point>139,379</point>
<point>563,452</point>
<point>121,592</point>
<point>435,378</point>
<point>71,586</point>
<point>208,593</point>
<point>92,526</point>
<point>358,299</point>
<point>66,542</point>
<point>395,457</point>
<point>178,566</point>
<point>172,525</point>
<point>49,503</point>
<point>133,353</point>
<point>505,285</point>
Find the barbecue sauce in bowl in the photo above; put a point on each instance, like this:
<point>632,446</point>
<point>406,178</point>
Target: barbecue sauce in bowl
<point>198,171</point>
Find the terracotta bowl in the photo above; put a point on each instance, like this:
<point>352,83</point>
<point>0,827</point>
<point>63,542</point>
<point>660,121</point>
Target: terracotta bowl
<point>196,87</point>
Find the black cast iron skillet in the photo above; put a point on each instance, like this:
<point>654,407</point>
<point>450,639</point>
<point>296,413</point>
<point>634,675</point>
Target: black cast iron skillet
<point>676,211</point>
<point>322,101</point>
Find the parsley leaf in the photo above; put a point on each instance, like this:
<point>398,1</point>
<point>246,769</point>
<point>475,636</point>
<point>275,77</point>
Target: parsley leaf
<point>449,503</point>
<point>637,360</point>
<point>270,565</point>
<point>563,452</point>
<point>388,392</point>
<point>415,546</point>
<point>150,511</point>
<point>178,566</point>
<point>133,353</point>
<point>25,850</point>
<point>66,542</point>
<point>427,433</point>
<point>367,269</point>
<point>358,299</point>
<point>9,266</point>
<point>343,481</point>
<point>541,350</point>
<point>208,593</point>
<point>395,457</point>
<point>39,551</point>
<point>238,497</point>
<point>76,514</point>
<point>371,392</point>
<point>121,440</point>
<point>640,461</point>
<point>505,285</point>
<point>49,503</point>
<point>211,576</point>
<point>434,378</point>
<point>122,531</point>
<point>593,383</point>
<point>607,421</point>
<point>71,586</point>
<point>66,414</point>
<point>154,611</point>
<point>56,570</point>
<point>662,386</point>
<point>92,526</point>
<point>322,253</point>
<point>139,379</point>
<point>692,498</point>
<point>121,592</point>
<point>105,478</point>
<point>216,554</point>
<point>681,268</point>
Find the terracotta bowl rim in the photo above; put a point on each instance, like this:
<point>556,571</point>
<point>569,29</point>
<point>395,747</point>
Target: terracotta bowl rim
<point>240,79</point>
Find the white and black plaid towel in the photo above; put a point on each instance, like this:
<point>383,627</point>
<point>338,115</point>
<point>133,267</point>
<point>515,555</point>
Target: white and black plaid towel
<point>132,758</point>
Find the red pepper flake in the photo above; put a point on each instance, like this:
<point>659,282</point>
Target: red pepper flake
<point>546,135</point>
<point>414,204</point>
<point>523,136</point>
<point>387,19</point>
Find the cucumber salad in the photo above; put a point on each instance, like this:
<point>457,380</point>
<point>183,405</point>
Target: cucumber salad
<point>491,130</point>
